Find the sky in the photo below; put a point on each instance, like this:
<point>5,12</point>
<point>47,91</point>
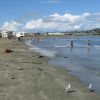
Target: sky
<point>49,15</point>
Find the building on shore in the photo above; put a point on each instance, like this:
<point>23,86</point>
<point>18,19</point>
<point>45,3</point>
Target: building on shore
<point>11,34</point>
<point>4,34</point>
<point>55,33</point>
<point>20,34</point>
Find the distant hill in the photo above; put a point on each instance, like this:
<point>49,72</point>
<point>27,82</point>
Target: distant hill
<point>96,30</point>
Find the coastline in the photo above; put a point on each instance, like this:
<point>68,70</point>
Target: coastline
<point>26,75</point>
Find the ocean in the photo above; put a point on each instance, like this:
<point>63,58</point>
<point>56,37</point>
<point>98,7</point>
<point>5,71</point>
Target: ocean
<point>81,61</point>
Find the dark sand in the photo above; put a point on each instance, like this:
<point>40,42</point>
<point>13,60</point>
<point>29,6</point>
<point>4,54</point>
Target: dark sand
<point>26,75</point>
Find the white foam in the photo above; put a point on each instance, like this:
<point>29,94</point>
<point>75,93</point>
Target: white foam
<point>28,43</point>
<point>76,46</point>
<point>45,52</point>
<point>97,46</point>
<point>62,46</point>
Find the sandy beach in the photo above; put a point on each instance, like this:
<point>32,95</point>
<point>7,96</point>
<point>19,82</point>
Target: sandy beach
<point>26,75</point>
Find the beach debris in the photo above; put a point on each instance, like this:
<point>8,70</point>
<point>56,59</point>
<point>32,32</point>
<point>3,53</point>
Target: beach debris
<point>40,56</point>
<point>40,69</point>
<point>13,78</point>
<point>33,56</point>
<point>90,88</point>
<point>8,50</point>
<point>39,63</point>
<point>21,69</point>
<point>7,65</point>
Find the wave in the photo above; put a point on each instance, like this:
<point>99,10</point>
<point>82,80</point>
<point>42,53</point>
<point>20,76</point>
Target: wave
<point>66,46</point>
<point>44,52</point>
<point>77,46</point>
<point>97,46</point>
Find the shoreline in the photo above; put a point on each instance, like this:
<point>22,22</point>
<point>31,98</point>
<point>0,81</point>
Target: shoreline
<point>26,75</point>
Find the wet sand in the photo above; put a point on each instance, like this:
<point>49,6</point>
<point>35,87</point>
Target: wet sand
<point>26,75</point>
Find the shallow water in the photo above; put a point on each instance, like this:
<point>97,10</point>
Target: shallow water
<point>82,61</point>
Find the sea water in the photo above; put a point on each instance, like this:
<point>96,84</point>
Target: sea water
<point>82,61</point>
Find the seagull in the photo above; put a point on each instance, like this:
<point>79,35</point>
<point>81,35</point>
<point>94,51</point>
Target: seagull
<point>90,88</point>
<point>68,88</point>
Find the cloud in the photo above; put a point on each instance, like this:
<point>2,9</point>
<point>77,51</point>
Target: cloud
<point>11,26</point>
<point>64,18</point>
<point>65,22</point>
<point>57,22</point>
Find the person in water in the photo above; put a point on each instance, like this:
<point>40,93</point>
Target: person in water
<point>71,44</point>
<point>89,43</point>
